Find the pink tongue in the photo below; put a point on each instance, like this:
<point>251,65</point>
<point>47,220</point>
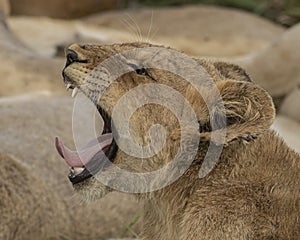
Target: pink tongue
<point>84,155</point>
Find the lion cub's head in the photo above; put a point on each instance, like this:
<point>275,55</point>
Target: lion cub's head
<point>157,105</point>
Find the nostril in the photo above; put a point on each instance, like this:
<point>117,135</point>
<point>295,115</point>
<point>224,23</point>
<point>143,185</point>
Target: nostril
<point>71,57</point>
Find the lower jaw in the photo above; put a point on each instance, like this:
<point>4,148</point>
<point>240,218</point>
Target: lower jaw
<point>83,189</point>
<point>96,165</point>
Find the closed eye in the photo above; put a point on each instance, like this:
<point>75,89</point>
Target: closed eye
<point>141,71</point>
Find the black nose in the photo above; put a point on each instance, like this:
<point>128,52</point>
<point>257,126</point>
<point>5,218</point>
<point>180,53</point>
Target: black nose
<point>71,57</point>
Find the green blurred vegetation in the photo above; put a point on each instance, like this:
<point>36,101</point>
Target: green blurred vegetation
<point>285,12</point>
<point>128,228</point>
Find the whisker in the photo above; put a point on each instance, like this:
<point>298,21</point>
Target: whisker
<point>154,33</point>
<point>150,28</point>
<point>130,27</point>
<point>137,27</point>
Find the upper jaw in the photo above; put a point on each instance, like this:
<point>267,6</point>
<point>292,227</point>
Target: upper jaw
<point>75,90</point>
<point>70,84</point>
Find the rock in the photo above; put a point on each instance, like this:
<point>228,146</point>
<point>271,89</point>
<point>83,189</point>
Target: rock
<point>48,37</point>
<point>289,130</point>
<point>276,68</point>
<point>42,34</point>
<point>197,30</point>
<point>60,8</point>
<point>25,71</point>
<point>25,97</point>
<point>291,105</point>
<point>5,7</point>
<point>28,127</point>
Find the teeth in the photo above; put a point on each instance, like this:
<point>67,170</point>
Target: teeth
<point>75,91</point>
<point>68,86</point>
<point>76,170</point>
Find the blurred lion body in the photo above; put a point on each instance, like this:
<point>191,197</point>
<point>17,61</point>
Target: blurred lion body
<point>37,201</point>
<point>252,192</point>
<point>29,210</point>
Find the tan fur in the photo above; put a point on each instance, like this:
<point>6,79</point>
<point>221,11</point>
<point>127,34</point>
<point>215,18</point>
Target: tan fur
<point>28,208</point>
<point>252,193</point>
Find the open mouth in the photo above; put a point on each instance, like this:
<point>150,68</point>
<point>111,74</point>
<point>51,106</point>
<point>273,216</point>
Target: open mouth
<point>91,159</point>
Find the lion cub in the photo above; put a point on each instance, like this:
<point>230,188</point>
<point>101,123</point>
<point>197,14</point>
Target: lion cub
<point>190,138</point>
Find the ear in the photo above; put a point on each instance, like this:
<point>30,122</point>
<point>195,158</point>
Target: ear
<point>232,71</point>
<point>248,109</point>
<point>224,70</point>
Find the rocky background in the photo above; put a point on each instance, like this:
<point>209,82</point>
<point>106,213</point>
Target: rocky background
<point>36,198</point>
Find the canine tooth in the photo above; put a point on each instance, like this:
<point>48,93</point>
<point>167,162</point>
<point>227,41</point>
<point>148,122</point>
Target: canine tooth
<point>78,170</point>
<point>68,86</point>
<point>75,91</point>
